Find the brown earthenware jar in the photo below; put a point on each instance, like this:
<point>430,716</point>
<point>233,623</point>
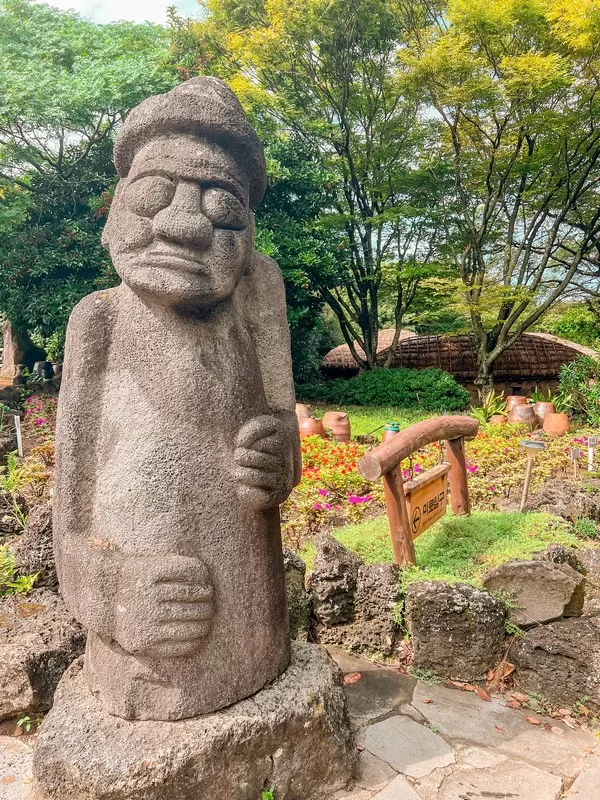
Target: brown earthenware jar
<point>339,425</point>
<point>524,413</point>
<point>303,411</point>
<point>556,424</point>
<point>498,419</point>
<point>515,400</point>
<point>543,408</point>
<point>309,426</point>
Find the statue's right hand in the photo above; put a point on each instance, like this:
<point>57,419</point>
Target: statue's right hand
<point>164,605</point>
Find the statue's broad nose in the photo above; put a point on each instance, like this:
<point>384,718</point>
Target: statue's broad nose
<point>183,220</point>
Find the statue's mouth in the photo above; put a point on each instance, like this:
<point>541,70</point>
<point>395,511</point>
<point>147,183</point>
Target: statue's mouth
<point>174,257</point>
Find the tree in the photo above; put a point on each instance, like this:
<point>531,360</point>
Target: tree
<point>328,72</point>
<point>65,86</point>
<point>513,87</point>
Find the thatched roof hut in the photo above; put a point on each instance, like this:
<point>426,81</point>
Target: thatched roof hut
<point>533,357</point>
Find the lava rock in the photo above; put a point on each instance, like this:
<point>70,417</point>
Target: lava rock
<point>333,581</point>
<point>293,735</point>
<point>541,591</point>
<point>589,563</point>
<point>298,599</point>
<point>354,604</point>
<point>33,549</point>
<point>457,631</point>
<point>38,640</point>
<point>8,443</point>
<point>561,661</point>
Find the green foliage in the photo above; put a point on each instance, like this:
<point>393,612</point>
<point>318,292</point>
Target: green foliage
<point>10,582</point>
<point>573,321</point>
<point>430,389</point>
<point>579,381</point>
<point>512,629</point>
<point>586,529</point>
<point>492,404</point>
<point>27,724</point>
<point>461,549</point>
<point>268,794</point>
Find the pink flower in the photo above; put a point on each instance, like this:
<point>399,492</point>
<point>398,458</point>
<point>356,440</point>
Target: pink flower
<point>317,506</point>
<point>323,492</point>
<point>327,506</point>
<point>472,468</point>
<point>418,468</point>
<point>354,498</point>
<point>405,474</point>
<point>492,488</point>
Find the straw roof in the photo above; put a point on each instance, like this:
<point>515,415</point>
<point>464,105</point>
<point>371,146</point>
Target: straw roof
<point>341,357</point>
<point>532,356</point>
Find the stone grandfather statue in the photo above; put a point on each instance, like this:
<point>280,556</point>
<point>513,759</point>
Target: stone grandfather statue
<point>177,437</point>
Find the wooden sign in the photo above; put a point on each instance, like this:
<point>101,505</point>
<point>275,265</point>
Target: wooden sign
<point>427,498</point>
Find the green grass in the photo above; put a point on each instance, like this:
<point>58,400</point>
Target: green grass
<point>458,549</point>
<point>367,419</point>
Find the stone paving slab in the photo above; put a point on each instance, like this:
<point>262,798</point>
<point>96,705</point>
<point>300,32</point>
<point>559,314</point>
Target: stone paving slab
<point>463,717</point>
<point>15,769</point>
<point>398,789</point>
<point>379,691</point>
<point>410,748</point>
<point>373,773</point>
<point>508,779</point>
<point>587,784</point>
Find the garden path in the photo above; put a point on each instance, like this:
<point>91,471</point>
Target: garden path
<point>422,741</point>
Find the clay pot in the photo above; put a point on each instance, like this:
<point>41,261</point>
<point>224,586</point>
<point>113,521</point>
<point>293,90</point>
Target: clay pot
<point>339,424</point>
<point>391,429</point>
<point>541,409</point>
<point>523,413</point>
<point>309,426</point>
<point>303,411</point>
<point>497,419</point>
<point>556,424</point>
<point>515,400</point>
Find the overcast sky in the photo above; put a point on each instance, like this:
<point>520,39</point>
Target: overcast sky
<point>133,10</point>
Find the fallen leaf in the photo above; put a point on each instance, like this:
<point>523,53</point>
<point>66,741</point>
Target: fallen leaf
<point>499,729</point>
<point>427,701</point>
<point>564,712</point>
<point>513,703</point>
<point>584,710</point>
<point>558,731</point>
<point>9,779</point>
<point>457,684</point>
<point>490,675</point>
<point>28,780</point>
<point>482,694</point>
<point>508,669</point>
<point>522,698</point>
<point>532,720</point>
<point>468,687</point>
<point>352,677</point>
<point>570,723</point>
<point>547,726</point>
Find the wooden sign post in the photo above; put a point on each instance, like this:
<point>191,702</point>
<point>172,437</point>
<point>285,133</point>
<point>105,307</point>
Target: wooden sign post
<point>414,506</point>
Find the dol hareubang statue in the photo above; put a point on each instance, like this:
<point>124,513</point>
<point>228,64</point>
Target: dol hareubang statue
<point>177,437</point>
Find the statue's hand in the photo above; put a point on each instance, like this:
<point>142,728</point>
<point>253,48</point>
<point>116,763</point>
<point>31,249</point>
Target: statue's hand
<point>164,607</point>
<point>262,460</point>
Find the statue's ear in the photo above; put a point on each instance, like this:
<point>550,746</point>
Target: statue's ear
<point>252,229</point>
<point>105,240</point>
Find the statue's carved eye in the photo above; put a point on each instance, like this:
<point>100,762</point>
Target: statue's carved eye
<point>149,195</point>
<point>224,210</point>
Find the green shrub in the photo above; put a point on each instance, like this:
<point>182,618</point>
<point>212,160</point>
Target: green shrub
<point>580,382</point>
<point>430,389</point>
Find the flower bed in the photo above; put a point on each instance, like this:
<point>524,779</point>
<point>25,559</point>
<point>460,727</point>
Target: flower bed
<point>332,493</point>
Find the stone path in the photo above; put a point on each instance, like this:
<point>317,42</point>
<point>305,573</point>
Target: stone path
<point>420,741</point>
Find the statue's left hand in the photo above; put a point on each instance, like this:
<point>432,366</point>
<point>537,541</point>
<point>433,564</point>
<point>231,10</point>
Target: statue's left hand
<point>262,459</point>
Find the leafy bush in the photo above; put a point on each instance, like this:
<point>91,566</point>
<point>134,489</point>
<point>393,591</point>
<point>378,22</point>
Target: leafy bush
<point>430,389</point>
<point>492,405</point>
<point>580,382</point>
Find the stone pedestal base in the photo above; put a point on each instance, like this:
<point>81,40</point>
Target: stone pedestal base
<point>293,735</point>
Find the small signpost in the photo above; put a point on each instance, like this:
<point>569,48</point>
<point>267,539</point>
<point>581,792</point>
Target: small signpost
<point>427,498</point>
<point>19,435</point>
<point>592,444</point>
<point>532,448</point>
<point>576,454</point>
<point>415,506</point>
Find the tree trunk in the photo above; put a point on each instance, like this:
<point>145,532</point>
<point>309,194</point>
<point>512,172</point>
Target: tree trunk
<point>484,382</point>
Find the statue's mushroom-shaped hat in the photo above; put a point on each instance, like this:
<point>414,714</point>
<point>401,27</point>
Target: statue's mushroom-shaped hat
<point>203,107</point>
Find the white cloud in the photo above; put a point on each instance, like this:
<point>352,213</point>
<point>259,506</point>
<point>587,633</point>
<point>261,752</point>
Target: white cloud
<point>133,10</point>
